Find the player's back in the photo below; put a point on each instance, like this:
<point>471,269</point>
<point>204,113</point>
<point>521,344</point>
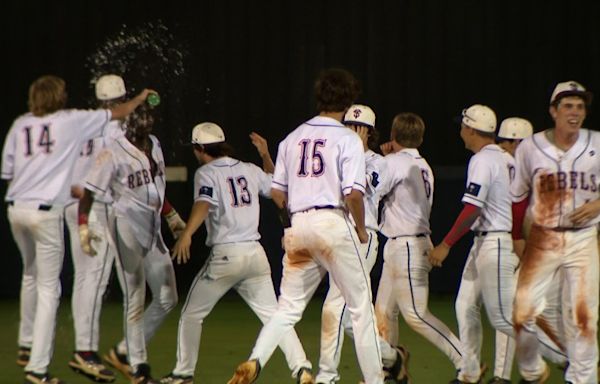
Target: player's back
<point>322,160</point>
<point>407,205</point>
<point>40,152</point>
<point>232,188</point>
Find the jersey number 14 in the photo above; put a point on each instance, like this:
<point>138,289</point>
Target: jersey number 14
<point>43,142</point>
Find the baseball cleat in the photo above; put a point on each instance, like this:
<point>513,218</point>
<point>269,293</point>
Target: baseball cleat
<point>41,378</point>
<point>246,373</point>
<point>118,361</point>
<point>142,375</point>
<point>23,356</point>
<point>542,379</point>
<point>305,376</point>
<point>399,371</point>
<point>482,370</point>
<point>498,380</point>
<point>89,365</point>
<point>171,378</point>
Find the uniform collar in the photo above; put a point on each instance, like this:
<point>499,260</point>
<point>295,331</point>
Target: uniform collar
<point>414,152</point>
<point>325,121</point>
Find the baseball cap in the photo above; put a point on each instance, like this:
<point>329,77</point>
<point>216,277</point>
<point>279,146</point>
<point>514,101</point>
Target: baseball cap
<point>479,117</point>
<point>207,133</point>
<point>110,87</point>
<point>515,128</point>
<point>360,115</point>
<point>570,88</point>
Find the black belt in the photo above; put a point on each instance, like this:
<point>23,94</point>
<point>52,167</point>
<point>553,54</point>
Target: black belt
<point>485,233</point>
<point>316,208</point>
<point>41,207</point>
<point>418,235</point>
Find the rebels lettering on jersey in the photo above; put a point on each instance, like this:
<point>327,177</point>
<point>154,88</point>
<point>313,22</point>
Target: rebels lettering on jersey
<point>231,187</point>
<point>139,178</point>
<point>319,163</point>
<point>556,181</point>
<point>550,182</point>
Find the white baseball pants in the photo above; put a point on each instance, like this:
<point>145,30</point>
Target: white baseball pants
<point>576,252</point>
<point>91,274</point>
<point>320,241</point>
<point>243,266</point>
<point>40,239</point>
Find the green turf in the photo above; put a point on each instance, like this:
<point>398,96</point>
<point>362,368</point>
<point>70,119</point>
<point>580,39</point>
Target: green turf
<point>229,334</point>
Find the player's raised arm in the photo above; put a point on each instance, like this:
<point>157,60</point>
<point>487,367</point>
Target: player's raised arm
<point>120,111</point>
<point>263,150</point>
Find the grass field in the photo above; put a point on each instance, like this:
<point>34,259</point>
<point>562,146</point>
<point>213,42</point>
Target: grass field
<point>228,336</point>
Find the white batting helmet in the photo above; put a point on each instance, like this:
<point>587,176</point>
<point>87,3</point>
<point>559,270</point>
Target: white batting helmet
<point>479,117</point>
<point>515,128</point>
<point>360,115</point>
<point>110,87</point>
<point>207,133</point>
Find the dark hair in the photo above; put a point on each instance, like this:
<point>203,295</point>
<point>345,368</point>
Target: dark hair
<point>373,140</point>
<point>335,90</point>
<point>487,135</point>
<point>47,94</point>
<point>585,96</point>
<point>216,149</point>
<point>408,129</point>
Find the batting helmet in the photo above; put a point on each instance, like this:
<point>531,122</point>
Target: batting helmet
<point>515,128</point>
<point>359,114</point>
<point>479,117</point>
<point>110,87</point>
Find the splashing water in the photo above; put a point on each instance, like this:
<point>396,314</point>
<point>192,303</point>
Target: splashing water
<point>146,56</point>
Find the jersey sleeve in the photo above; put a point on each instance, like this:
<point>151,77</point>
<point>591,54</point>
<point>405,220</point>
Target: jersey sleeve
<point>376,173</point>
<point>99,177</point>
<point>479,179</point>
<point>92,123</point>
<point>520,185</point>
<point>205,188</point>
<point>280,176</point>
<point>8,156</point>
<point>264,182</point>
<point>352,164</point>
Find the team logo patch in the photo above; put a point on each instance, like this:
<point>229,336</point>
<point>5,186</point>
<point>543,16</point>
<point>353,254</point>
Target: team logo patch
<point>374,179</point>
<point>206,191</point>
<point>356,113</point>
<point>473,189</point>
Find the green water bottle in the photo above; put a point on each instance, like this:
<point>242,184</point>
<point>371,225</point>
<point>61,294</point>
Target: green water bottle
<point>153,100</point>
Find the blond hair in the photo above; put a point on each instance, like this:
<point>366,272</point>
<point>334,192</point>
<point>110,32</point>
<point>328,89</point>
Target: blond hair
<point>46,95</point>
<point>408,129</point>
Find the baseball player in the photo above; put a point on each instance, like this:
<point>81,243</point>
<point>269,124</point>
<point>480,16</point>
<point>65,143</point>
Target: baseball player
<point>404,282</point>
<point>556,181</point>
<point>491,267</point>
<point>227,200</point>
<point>132,169</point>
<point>319,173</point>
<point>37,160</point>
<point>335,319</point>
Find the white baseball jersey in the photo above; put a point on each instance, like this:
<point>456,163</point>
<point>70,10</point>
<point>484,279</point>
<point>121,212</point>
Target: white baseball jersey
<point>407,206</point>
<point>558,181</point>
<point>39,153</point>
<point>303,157</point>
<point>138,192</point>
<point>488,187</point>
<point>90,150</point>
<point>376,175</point>
<point>232,189</point>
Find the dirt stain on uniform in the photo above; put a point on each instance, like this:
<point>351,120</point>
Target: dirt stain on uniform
<point>543,324</point>
<point>383,327</point>
<point>330,323</point>
<point>582,312</point>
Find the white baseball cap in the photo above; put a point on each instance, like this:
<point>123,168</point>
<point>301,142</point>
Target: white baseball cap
<point>360,115</point>
<point>207,133</point>
<point>515,128</point>
<point>479,117</point>
<point>110,87</point>
<point>570,88</point>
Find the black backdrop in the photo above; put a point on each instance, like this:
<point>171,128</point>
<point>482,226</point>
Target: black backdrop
<point>249,65</point>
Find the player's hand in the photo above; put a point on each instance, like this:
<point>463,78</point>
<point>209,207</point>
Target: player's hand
<point>260,143</point>
<point>363,133</point>
<point>585,213</point>
<point>175,222</point>
<point>181,250</point>
<point>363,236</point>
<point>76,191</point>
<point>438,254</point>
<point>519,247</point>
<point>86,236</point>
<point>386,148</point>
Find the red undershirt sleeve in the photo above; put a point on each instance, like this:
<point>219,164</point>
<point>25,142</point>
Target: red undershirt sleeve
<point>518,214</point>
<point>463,223</point>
